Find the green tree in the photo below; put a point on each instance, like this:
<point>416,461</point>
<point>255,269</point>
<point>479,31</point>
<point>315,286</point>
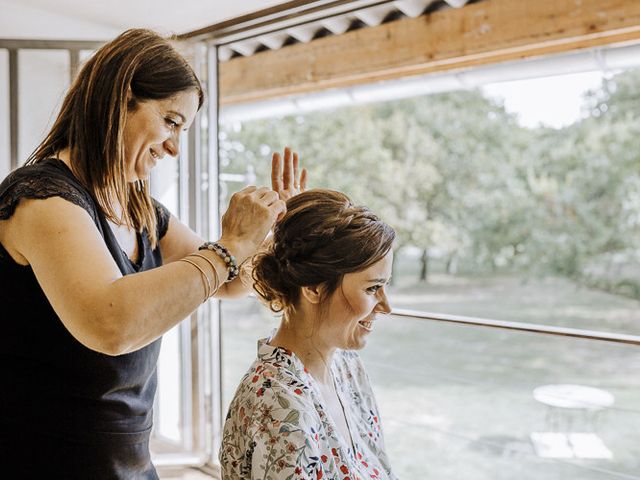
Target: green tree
<point>585,179</point>
<point>459,178</point>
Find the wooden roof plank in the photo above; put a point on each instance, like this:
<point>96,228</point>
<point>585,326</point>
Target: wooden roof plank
<point>480,33</point>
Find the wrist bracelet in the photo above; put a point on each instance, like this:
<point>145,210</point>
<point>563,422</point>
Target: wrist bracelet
<point>205,279</point>
<point>213,267</point>
<point>222,252</point>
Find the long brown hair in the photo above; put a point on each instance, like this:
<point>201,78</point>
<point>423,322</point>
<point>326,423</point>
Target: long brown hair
<point>322,237</point>
<point>93,115</point>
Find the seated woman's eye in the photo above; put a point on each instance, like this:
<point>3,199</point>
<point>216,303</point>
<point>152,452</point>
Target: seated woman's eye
<point>171,123</point>
<point>374,289</point>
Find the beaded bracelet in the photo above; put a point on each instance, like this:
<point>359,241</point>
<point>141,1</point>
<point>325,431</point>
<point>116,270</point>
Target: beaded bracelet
<point>222,252</point>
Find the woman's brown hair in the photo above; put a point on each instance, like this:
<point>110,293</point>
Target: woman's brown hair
<point>93,114</point>
<point>322,237</point>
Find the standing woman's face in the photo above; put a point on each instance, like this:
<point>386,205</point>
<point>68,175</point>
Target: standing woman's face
<point>152,130</point>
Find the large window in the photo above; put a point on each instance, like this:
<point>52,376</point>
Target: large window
<point>514,201</point>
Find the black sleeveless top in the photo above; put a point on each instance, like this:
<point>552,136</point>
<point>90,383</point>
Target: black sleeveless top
<point>67,411</point>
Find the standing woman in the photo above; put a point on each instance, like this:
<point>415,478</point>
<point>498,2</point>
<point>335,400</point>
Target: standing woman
<point>94,270</point>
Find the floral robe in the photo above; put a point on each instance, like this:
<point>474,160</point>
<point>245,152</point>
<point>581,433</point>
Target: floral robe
<point>277,427</point>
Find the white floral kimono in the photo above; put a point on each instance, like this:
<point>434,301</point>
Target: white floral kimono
<point>277,427</point>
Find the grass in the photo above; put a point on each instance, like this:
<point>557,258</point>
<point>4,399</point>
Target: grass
<point>457,402</point>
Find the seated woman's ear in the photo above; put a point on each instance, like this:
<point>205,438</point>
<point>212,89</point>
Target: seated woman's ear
<point>312,294</point>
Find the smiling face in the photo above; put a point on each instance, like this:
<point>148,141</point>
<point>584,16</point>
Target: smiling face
<point>350,313</point>
<point>153,129</point>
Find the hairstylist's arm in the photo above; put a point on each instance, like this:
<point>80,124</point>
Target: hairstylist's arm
<point>180,240</point>
<point>102,309</point>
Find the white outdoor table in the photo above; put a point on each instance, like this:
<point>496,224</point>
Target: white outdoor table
<point>564,402</point>
<point>573,396</point>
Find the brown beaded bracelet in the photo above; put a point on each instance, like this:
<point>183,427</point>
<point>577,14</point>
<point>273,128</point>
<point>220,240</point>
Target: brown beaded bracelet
<point>229,260</point>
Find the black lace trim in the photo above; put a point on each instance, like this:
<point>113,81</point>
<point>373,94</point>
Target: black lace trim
<point>162,215</point>
<point>40,181</point>
<point>52,178</point>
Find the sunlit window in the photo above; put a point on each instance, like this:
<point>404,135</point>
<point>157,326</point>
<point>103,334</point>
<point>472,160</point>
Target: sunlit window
<point>514,200</point>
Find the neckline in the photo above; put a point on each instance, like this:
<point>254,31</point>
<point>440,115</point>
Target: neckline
<point>136,264</point>
<point>139,240</point>
<point>350,440</point>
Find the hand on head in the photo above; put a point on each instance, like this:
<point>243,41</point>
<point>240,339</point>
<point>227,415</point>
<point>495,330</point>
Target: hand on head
<point>251,214</point>
<point>253,211</point>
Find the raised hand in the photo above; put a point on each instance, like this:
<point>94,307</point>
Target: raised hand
<point>251,214</point>
<point>287,180</point>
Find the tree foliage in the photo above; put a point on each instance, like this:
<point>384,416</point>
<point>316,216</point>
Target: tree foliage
<point>459,179</point>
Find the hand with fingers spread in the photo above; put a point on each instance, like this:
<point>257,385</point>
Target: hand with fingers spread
<point>251,214</point>
<point>286,177</point>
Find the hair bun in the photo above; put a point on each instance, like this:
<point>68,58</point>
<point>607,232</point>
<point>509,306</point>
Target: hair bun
<point>322,237</point>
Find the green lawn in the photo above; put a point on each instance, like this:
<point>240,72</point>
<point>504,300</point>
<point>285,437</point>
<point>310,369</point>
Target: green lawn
<point>456,401</point>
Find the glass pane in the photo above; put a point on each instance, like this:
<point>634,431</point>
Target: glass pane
<point>43,80</point>
<point>486,404</point>
<point>500,212</point>
<point>168,411</point>
<point>168,422</point>
<point>5,143</point>
<point>165,183</point>
<point>503,211</point>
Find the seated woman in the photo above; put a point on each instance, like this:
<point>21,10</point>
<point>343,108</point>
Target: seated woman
<point>305,409</point>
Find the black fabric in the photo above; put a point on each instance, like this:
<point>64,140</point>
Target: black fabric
<point>67,411</point>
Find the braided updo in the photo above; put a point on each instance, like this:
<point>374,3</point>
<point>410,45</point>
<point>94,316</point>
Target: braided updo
<point>322,237</point>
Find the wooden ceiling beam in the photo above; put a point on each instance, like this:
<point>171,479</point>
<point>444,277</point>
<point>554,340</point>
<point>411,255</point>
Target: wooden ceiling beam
<point>481,33</point>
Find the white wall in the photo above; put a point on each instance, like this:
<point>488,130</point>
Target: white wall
<point>19,21</point>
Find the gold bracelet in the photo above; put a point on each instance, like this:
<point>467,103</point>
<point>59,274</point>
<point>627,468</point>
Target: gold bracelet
<point>213,267</point>
<point>207,284</point>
